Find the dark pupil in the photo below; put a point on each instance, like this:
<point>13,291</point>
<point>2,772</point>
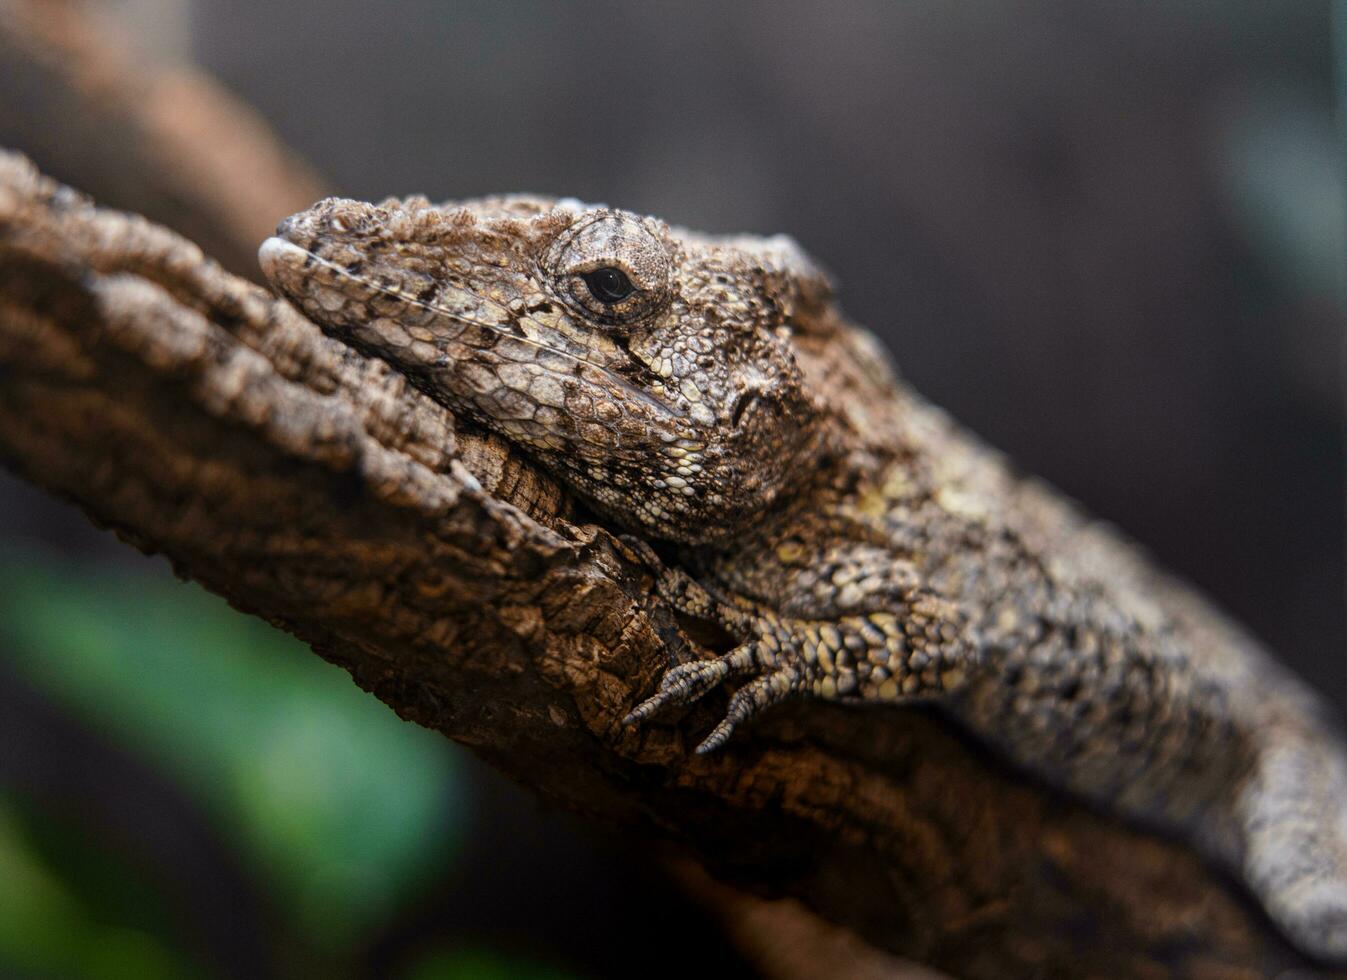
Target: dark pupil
<point>609,285</point>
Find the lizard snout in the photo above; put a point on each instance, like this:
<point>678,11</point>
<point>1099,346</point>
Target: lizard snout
<point>286,228</point>
<point>281,261</point>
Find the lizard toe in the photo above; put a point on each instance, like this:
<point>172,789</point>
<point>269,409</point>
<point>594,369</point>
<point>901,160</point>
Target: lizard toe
<point>688,682</point>
<point>748,701</point>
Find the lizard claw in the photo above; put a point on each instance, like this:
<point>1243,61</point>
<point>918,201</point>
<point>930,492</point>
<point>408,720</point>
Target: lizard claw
<point>748,701</point>
<point>688,682</point>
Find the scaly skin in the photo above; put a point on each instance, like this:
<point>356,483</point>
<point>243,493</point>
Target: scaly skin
<point>709,393</point>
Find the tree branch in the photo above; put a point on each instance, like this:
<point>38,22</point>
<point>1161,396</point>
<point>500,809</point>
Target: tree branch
<point>200,417</point>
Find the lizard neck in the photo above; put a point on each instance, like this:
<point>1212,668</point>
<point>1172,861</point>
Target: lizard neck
<point>830,477</point>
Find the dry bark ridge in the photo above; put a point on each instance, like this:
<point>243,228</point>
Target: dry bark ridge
<point>202,418</point>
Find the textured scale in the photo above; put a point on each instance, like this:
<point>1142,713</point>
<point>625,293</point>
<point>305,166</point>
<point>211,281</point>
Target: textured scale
<point>857,543</point>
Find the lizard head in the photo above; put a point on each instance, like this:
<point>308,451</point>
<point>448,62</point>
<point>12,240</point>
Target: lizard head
<point>650,369</point>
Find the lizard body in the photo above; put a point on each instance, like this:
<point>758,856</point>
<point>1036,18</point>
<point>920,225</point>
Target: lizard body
<point>709,393</point>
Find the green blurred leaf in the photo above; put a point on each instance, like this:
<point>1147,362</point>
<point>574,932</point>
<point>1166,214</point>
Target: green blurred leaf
<point>342,807</point>
<point>47,930</point>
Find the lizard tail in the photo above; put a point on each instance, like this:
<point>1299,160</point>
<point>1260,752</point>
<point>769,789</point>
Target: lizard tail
<point>1293,816</point>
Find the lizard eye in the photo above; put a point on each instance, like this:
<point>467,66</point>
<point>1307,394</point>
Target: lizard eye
<point>609,285</point>
<point>611,267</point>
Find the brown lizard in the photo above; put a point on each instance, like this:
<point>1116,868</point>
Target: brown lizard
<point>708,393</point>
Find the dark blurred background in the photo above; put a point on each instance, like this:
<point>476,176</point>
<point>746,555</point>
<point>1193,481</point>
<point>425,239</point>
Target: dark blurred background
<point>1107,236</point>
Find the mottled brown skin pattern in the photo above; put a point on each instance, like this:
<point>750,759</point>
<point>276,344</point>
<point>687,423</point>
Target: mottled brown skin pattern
<point>708,393</point>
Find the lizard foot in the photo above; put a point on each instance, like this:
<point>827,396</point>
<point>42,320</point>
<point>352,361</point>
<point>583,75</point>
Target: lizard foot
<point>912,649</point>
<point>688,682</point>
<point>765,649</point>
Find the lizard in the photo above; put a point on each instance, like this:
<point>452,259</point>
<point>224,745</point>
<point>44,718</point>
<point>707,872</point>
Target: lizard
<point>709,394</point>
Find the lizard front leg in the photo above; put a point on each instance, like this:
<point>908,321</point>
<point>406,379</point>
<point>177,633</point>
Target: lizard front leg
<point>915,649</point>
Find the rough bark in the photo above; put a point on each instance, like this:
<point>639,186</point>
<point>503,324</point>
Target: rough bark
<point>200,417</point>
